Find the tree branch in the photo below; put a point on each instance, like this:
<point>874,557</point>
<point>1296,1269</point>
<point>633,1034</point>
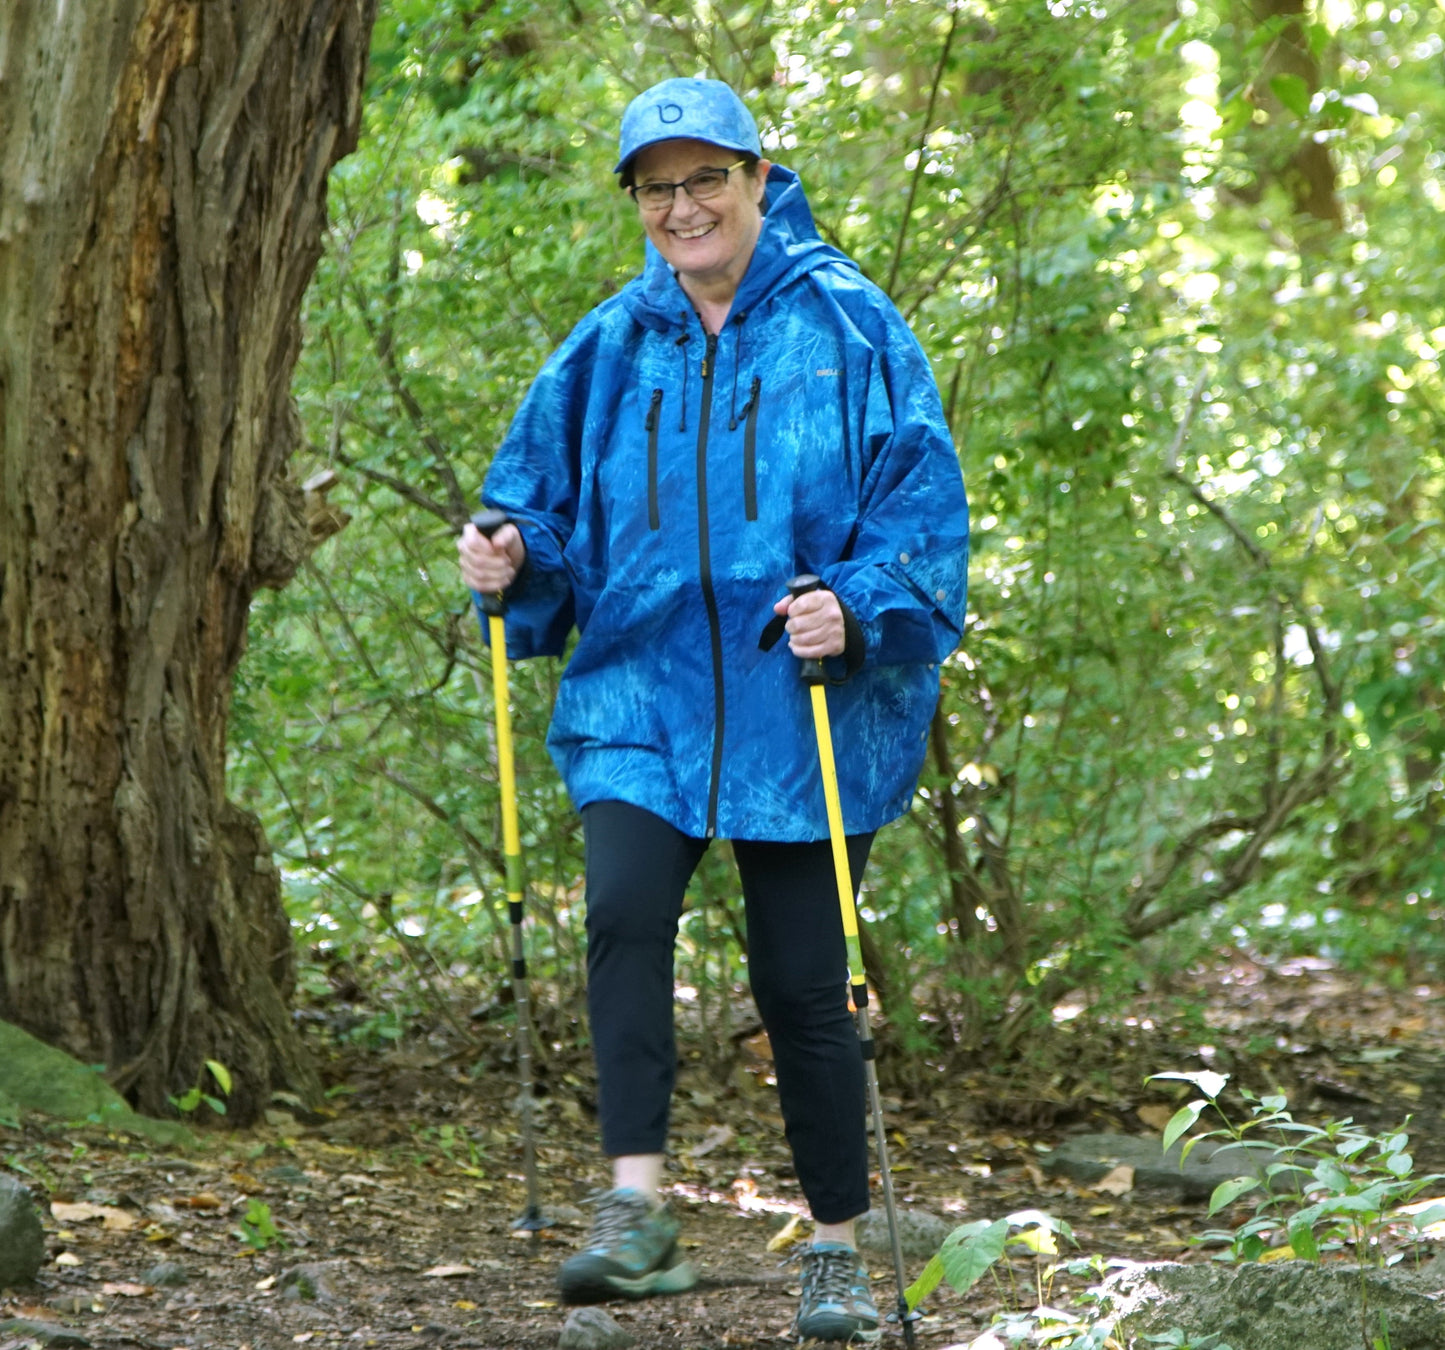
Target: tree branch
<point>922,149</point>
<point>385,348</point>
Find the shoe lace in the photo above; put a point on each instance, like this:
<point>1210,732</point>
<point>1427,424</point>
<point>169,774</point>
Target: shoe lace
<point>828,1275</point>
<point>617,1215</point>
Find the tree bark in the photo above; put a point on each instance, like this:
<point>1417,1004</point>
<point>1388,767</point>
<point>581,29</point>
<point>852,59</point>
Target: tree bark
<point>165,166</point>
<point>1308,172</point>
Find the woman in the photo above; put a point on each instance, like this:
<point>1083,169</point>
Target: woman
<point>748,409</point>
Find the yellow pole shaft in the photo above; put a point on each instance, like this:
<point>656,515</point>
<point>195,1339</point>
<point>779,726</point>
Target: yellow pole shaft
<point>506,764</point>
<point>841,869</point>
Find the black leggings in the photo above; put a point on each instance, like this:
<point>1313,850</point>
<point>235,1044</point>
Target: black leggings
<point>638,867</point>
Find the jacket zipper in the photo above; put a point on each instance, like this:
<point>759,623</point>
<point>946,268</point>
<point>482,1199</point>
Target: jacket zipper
<point>654,416</point>
<point>709,595</point>
<point>750,453</point>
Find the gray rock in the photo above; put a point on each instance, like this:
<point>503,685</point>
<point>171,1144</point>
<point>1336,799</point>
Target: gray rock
<point>22,1239</point>
<point>288,1178</point>
<point>167,1275</point>
<point>75,1305</point>
<point>309,1283</point>
<point>1087,1158</point>
<point>593,1329</point>
<point>42,1333</point>
<point>920,1233</point>
<point>1285,1305</point>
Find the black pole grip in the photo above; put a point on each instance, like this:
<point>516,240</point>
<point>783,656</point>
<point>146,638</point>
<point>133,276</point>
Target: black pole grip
<point>488,522</point>
<point>491,520</point>
<point>809,671</point>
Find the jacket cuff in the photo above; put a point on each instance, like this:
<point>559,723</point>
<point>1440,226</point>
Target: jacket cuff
<point>855,646</point>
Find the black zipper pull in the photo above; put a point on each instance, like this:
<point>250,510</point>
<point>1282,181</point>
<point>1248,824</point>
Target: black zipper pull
<point>708,354</point>
<point>652,411</point>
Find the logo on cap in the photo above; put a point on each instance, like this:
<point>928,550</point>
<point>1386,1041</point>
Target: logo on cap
<point>669,112</point>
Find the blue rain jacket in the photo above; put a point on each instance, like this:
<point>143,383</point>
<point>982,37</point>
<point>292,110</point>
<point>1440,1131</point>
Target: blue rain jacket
<point>668,483</point>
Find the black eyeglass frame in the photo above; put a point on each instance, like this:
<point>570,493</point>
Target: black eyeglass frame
<point>634,188</point>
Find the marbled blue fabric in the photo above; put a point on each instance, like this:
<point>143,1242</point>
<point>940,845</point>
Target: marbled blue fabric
<point>665,501</point>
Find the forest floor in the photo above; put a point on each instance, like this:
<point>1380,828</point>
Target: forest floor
<point>388,1225</point>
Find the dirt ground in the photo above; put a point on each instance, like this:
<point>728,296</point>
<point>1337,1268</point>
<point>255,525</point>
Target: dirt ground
<point>388,1224</point>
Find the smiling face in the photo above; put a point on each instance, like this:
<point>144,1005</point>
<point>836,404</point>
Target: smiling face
<point>708,243</point>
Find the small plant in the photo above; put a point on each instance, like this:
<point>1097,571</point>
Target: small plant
<point>1325,1188</point>
<point>460,1149</point>
<point>258,1229</point>
<point>975,1249</point>
<point>193,1097</point>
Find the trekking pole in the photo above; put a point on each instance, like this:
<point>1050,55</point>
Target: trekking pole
<point>812,674</point>
<point>494,607</point>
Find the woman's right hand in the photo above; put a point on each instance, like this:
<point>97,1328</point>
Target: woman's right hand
<point>489,566</point>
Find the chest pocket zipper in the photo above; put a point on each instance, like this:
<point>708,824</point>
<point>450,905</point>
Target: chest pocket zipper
<point>654,416</point>
<point>750,452</point>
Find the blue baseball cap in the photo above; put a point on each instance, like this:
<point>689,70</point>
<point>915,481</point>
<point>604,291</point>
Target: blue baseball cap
<point>687,109</point>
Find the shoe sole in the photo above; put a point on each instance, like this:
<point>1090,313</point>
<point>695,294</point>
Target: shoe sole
<point>598,1288</point>
<point>841,1335</point>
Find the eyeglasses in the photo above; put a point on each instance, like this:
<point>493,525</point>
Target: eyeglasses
<point>700,186</point>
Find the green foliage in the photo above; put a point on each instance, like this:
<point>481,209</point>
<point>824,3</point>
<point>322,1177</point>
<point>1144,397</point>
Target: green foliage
<point>192,1098</point>
<point>258,1229</point>
<point>976,1249</point>
<point>972,1250</point>
<point>1321,1188</point>
<point>1202,697</point>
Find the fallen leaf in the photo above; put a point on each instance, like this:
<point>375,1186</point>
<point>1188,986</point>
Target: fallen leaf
<point>464,1305</point>
<point>1118,1182</point>
<point>123,1290</point>
<point>759,1045</point>
<point>205,1200</point>
<point>716,1137</point>
<point>268,1283</point>
<point>446,1272</point>
<point>787,1236</point>
<point>68,1259</point>
<point>80,1213</point>
<point>305,1335</point>
<point>539,1303</point>
<point>114,1220</point>
<point>1155,1116</point>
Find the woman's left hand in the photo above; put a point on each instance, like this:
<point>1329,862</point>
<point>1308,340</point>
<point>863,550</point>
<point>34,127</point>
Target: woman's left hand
<point>815,624</point>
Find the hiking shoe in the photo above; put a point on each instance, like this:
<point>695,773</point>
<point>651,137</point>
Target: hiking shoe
<point>632,1252</point>
<point>836,1304</point>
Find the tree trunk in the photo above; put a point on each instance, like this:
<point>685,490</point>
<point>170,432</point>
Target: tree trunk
<point>1308,175</point>
<point>164,166</point>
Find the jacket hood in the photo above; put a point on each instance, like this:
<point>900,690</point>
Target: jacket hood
<point>788,247</point>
